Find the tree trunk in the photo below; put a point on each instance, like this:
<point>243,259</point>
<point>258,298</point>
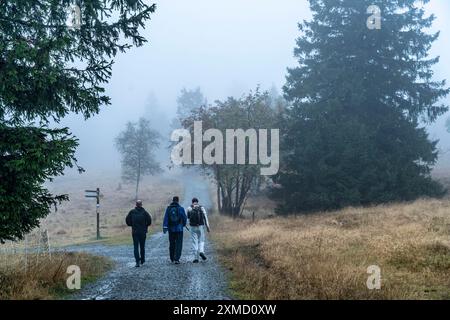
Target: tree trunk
<point>137,188</point>
<point>219,204</point>
<point>217,177</point>
<point>236,198</point>
<point>138,179</point>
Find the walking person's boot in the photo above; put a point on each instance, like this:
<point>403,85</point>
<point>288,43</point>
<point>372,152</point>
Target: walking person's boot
<point>202,255</point>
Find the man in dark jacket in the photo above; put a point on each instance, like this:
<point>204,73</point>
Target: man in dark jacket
<point>139,220</point>
<point>174,221</point>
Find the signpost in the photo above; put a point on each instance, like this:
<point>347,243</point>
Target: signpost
<point>95,194</point>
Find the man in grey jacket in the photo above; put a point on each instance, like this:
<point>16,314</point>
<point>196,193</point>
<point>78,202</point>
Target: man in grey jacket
<point>198,221</point>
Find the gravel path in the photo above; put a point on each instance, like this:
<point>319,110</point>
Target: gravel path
<point>158,278</point>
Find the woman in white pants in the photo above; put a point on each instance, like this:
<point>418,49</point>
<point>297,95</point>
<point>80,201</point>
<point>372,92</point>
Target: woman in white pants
<point>198,221</point>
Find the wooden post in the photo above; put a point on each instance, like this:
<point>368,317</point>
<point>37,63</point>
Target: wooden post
<point>95,194</point>
<point>26,253</point>
<point>98,213</point>
<point>253,216</point>
<point>45,242</point>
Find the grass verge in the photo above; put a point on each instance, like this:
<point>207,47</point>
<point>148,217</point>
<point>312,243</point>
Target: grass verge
<point>326,255</point>
<point>40,276</point>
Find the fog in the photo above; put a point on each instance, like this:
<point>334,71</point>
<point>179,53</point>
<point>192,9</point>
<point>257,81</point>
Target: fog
<point>226,48</point>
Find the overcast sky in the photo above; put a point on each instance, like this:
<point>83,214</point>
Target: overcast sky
<point>226,47</point>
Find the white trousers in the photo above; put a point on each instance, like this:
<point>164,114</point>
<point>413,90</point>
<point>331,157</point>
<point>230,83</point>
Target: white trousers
<point>198,240</point>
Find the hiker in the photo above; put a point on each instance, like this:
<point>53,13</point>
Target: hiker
<point>139,220</point>
<point>174,221</point>
<point>198,220</point>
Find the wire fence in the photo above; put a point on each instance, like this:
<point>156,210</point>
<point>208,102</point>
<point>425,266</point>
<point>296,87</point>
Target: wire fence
<point>21,254</point>
<point>37,245</point>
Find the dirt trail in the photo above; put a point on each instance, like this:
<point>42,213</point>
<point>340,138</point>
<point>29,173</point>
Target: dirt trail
<point>158,278</point>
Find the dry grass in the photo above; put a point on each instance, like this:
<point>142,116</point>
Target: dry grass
<point>75,220</point>
<point>325,256</point>
<point>39,276</point>
<point>36,276</point>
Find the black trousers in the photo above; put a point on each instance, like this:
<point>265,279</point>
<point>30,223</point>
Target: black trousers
<point>175,245</point>
<point>139,243</point>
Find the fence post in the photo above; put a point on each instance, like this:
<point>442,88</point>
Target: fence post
<point>26,253</point>
<point>46,242</point>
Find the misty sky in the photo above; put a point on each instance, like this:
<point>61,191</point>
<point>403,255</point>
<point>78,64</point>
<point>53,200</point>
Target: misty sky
<point>226,48</point>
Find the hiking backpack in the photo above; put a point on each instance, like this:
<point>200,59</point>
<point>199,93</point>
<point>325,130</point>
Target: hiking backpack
<point>174,216</point>
<point>196,216</point>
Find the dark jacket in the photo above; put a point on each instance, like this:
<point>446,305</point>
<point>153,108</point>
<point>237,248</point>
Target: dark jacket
<point>139,220</point>
<point>181,225</point>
